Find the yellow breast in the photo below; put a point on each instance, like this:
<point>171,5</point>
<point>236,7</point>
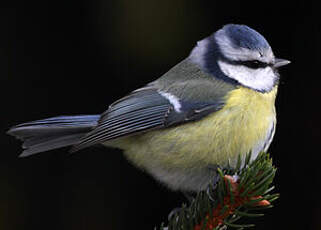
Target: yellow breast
<point>242,125</point>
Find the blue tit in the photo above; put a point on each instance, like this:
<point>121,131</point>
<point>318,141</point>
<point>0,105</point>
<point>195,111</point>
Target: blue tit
<point>213,106</point>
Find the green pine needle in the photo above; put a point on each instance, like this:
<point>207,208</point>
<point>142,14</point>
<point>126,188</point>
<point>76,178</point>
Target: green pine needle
<point>253,186</point>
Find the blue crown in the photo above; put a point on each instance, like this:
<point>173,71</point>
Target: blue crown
<point>245,37</point>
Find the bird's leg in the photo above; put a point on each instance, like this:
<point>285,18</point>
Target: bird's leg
<point>189,196</point>
<point>216,176</point>
<point>172,213</point>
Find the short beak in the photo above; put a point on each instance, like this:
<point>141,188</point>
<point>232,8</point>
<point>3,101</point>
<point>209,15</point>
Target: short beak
<point>280,62</point>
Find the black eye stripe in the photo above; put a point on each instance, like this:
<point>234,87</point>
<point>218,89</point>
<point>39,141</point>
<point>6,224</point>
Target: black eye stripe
<point>254,64</point>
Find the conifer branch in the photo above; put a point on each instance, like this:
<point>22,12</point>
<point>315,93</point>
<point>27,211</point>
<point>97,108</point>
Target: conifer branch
<point>239,192</point>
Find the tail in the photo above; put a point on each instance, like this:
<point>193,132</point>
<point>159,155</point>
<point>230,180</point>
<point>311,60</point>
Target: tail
<point>52,133</point>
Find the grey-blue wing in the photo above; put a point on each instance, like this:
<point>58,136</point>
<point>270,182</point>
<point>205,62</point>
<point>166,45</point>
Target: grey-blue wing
<point>143,110</point>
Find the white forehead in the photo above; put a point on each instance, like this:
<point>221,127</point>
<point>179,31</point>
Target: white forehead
<point>230,51</point>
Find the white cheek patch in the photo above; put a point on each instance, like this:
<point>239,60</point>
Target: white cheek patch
<point>173,100</point>
<point>262,79</point>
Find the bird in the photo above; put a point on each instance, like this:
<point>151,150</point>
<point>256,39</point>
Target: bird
<point>214,106</point>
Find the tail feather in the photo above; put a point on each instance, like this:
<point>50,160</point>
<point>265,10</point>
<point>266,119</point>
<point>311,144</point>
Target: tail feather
<point>54,125</point>
<point>54,143</point>
<point>52,133</point>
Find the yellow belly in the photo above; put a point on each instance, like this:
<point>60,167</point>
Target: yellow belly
<point>241,126</point>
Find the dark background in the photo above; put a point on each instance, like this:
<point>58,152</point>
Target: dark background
<point>77,57</point>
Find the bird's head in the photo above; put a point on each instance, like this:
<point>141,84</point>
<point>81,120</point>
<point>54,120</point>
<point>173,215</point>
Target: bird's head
<point>240,54</point>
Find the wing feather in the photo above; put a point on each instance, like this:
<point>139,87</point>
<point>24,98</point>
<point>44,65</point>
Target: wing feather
<point>143,109</point>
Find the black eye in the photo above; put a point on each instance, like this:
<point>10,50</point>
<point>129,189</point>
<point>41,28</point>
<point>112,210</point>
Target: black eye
<point>254,64</point>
